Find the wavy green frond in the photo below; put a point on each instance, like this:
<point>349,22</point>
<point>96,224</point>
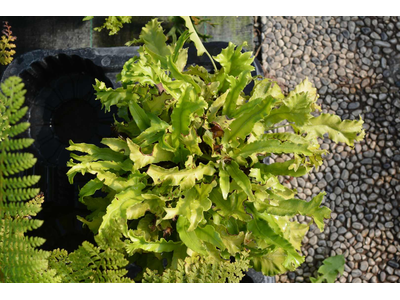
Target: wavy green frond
<point>262,147</point>
<point>264,88</point>
<point>240,178</point>
<point>187,104</point>
<point>234,61</point>
<point>263,231</point>
<point>236,86</point>
<point>192,204</point>
<point>293,207</point>
<point>232,207</point>
<point>269,262</point>
<point>141,160</point>
<point>189,238</point>
<point>160,246</point>
<point>246,118</point>
<point>196,40</point>
<point>186,179</point>
<point>282,169</point>
<point>331,268</point>
<point>119,206</point>
<point>339,131</point>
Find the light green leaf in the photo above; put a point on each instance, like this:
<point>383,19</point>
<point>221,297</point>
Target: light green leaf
<point>294,232</point>
<point>118,208</point>
<point>240,178</point>
<point>215,106</point>
<point>118,184</point>
<point>236,88</point>
<point>189,238</point>
<point>224,183</point>
<point>196,40</point>
<point>232,207</point>
<point>155,41</point>
<point>141,160</point>
<point>293,207</point>
<point>153,133</point>
<point>273,146</point>
<point>282,169</point>
<point>90,188</point>
<point>93,225</point>
<point>233,61</point>
<point>116,144</point>
<point>187,104</point>
<point>97,167</point>
<point>138,242</point>
<point>179,56</point>
<point>138,114</point>
<point>305,87</point>
<point>339,131</point>
<point>138,210</point>
<point>156,104</point>
<point>192,141</point>
<point>143,71</point>
<point>331,268</point>
<point>95,153</point>
<point>264,88</point>
<point>210,235</point>
<point>296,108</point>
<point>286,136</point>
<point>192,204</point>
<point>232,242</point>
<point>180,77</point>
<point>269,262</point>
<point>261,229</point>
<point>247,118</point>
<point>110,96</point>
<point>175,177</point>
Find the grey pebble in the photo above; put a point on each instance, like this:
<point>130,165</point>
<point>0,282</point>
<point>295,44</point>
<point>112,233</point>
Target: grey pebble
<point>363,266</point>
<point>356,273</point>
<point>340,55</point>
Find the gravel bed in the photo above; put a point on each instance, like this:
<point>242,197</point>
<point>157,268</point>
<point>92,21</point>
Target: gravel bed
<point>355,64</point>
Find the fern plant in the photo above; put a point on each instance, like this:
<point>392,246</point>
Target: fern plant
<point>6,45</point>
<point>20,260</point>
<point>89,264</point>
<point>113,24</point>
<point>186,175</point>
<point>198,269</point>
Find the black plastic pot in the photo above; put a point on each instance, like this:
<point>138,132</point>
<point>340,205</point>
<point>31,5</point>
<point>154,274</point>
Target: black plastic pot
<point>62,107</point>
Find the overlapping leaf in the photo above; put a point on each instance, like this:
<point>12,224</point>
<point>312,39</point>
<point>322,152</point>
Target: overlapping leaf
<point>339,131</point>
<point>175,177</point>
<point>292,207</point>
<point>331,268</point>
<point>192,204</point>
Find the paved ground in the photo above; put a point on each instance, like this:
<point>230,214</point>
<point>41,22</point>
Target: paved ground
<point>355,64</point>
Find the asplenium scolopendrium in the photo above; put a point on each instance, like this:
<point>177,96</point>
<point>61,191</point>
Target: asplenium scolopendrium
<point>186,174</point>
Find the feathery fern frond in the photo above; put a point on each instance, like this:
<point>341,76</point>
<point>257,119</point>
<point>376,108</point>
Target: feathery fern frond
<point>113,24</point>
<point>19,260</point>
<point>6,45</point>
<point>89,264</point>
<point>198,269</point>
